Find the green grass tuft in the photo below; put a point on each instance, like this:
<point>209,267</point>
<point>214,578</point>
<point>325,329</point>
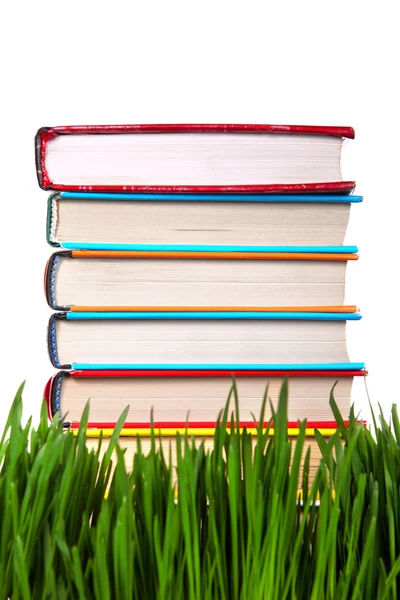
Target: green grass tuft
<point>237,530</point>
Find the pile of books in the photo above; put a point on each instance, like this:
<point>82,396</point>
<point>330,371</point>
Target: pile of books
<point>186,254</point>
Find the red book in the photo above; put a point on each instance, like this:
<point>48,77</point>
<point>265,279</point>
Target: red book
<point>194,396</point>
<point>192,158</point>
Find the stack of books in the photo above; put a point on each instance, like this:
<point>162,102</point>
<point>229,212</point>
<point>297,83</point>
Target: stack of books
<point>186,254</point>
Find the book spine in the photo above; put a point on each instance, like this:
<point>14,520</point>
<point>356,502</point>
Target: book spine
<point>39,156</point>
<point>52,340</point>
<point>52,394</point>
<point>43,135</point>
<point>50,279</point>
<point>51,220</point>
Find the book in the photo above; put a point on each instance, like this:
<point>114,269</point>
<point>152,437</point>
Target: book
<point>192,158</point>
<point>123,281</point>
<point>201,340</point>
<point>205,219</point>
<point>130,447</point>
<point>193,399</point>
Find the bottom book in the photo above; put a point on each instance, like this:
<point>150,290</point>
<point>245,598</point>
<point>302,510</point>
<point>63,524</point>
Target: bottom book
<point>130,445</point>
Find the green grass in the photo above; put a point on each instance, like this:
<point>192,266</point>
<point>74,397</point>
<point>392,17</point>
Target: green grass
<point>237,530</point>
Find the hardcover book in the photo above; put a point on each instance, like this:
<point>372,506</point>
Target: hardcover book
<point>200,340</point>
<point>192,158</point>
<point>87,218</point>
<point>193,398</point>
<point>124,281</point>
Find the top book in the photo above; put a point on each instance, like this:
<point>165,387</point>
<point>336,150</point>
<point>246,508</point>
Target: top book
<point>192,158</point>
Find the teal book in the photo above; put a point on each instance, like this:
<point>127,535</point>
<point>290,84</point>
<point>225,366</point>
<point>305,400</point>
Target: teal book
<point>200,340</point>
<point>250,222</point>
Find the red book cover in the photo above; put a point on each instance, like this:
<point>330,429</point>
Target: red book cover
<point>46,135</point>
<point>52,391</point>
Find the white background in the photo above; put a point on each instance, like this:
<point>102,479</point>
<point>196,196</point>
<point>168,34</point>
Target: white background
<point>69,63</point>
